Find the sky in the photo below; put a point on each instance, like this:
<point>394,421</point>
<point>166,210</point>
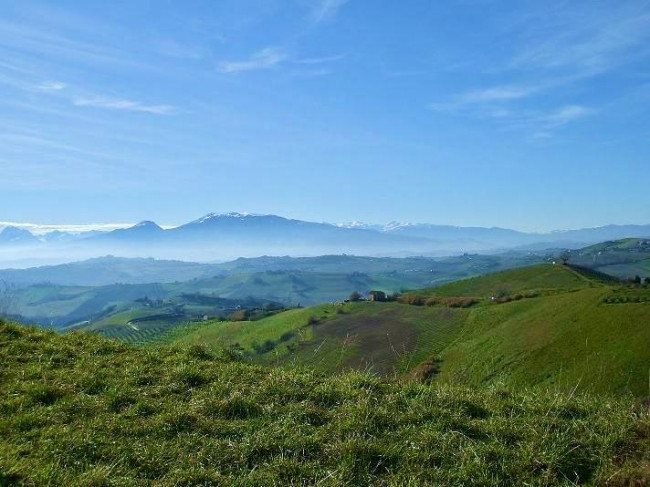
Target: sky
<point>533,115</point>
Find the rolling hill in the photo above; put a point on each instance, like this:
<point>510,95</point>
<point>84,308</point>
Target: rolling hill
<point>44,295</point>
<point>78,409</point>
<point>102,271</point>
<point>547,326</point>
<point>622,258</point>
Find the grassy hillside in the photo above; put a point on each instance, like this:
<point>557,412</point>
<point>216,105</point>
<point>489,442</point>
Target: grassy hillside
<point>81,410</point>
<point>549,326</point>
<point>542,278</point>
<point>290,281</point>
<point>621,258</point>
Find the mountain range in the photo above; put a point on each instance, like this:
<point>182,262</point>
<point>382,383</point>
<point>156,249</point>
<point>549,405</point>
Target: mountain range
<point>220,237</point>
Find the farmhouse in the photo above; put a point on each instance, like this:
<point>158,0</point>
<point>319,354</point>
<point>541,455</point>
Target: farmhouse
<point>376,296</point>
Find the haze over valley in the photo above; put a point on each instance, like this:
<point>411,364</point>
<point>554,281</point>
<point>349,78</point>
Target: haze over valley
<point>222,237</point>
<point>337,243</point>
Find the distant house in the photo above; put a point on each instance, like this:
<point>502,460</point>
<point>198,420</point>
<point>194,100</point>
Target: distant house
<point>376,296</point>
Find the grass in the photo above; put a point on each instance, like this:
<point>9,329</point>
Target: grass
<point>78,409</point>
<point>533,278</point>
<point>621,258</point>
<point>554,327</point>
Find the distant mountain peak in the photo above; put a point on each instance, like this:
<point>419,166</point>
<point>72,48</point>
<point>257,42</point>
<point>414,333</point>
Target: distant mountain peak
<point>147,224</point>
<point>353,224</point>
<point>395,224</point>
<point>231,215</point>
<point>12,234</point>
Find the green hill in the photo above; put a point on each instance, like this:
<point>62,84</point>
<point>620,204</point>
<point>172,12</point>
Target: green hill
<point>621,258</point>
<point>286,280</point>
<point>78,409</point>
<point>548,326</point>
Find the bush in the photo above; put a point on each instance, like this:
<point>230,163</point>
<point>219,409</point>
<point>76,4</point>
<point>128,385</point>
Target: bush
<point>240,315</point>
<point>355,296</point>
<point>459,302</point>
<point>286,336</point>
<point>431,301</point>
<point>425,371</point>
<point>412,299</point>
<point>265,347</point>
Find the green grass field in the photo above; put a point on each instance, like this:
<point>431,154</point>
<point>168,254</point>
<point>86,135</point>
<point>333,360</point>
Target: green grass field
<point>555,329</point>
<point>621,258</point>
<point>78,409</point>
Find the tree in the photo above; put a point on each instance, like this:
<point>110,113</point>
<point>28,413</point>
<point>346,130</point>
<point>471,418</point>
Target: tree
<point>637,279</point>
<point>355,296</point>
<point>565,256</point>
<point>646,281</point>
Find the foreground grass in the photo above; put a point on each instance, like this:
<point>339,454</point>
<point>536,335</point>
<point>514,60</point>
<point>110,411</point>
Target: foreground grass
<point>82,410</point>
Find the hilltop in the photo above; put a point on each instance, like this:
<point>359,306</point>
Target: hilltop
<point>546,326</point>
<point>621,258</point>
<point>78,409</point>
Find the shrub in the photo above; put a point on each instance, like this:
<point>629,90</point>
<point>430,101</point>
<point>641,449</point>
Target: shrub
<point>412,299</point>
<point>240,315</point>
<point>531,294</point>
<point>431,301</point>
<point>286,336</point>
<point>425,371</point>
<point>459,302</point>
<point>265,347</point>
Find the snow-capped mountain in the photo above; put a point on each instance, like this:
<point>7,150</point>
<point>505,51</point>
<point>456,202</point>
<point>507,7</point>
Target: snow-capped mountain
<point>14,236</point>
<point>224,236</point>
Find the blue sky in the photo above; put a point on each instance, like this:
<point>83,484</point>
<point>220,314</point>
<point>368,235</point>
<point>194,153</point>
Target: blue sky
<point>521,114</point>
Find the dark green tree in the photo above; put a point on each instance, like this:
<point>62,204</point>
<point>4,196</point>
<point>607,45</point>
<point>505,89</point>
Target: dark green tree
<point>355,296</point>
<point>565,257</point>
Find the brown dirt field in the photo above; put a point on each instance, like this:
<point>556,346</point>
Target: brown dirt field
<point>380,339</point>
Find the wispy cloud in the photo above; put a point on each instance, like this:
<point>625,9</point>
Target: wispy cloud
<point>592,45</point>
<point>263,59</point>
<point>312,73</point>
<point>544,123</point>
<point>485,96</point>
<point>38,229</point>
<point>51,86</point>
<point>122,104</point>
<point>327,9</point>
<point>320,60</point>
<point>564,115</point>
<point>499,93</point>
